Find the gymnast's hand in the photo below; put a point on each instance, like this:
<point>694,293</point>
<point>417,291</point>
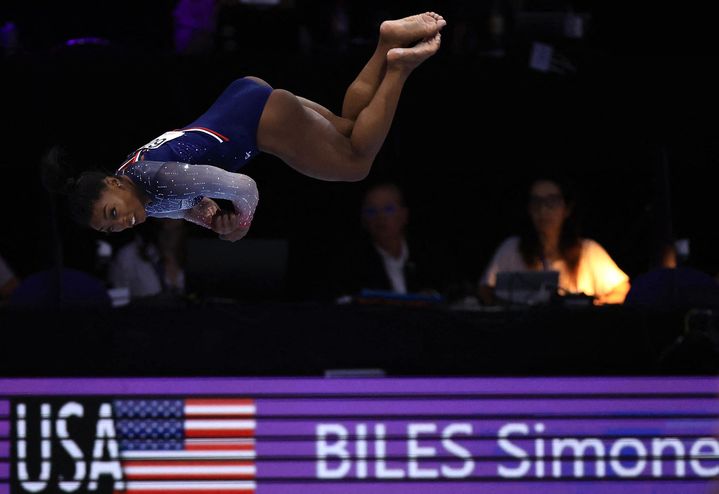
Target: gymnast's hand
<point>229,225</point>
<point>236,235</point>
<point>205,211</point>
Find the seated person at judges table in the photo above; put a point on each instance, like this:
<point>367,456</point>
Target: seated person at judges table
<point>550,241</point>
<point>152,263</point>
<point>385,260</point>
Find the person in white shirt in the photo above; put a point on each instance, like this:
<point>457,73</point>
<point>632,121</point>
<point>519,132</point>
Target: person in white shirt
<point>552,243</point>
<point>152,264</point>
<point>385,216</point>
<point>385,259</point>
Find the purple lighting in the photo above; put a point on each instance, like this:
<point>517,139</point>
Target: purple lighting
<point>87,41</point>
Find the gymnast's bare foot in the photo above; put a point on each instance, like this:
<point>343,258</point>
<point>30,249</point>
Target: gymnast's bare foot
<point>403,32</point>
<point>407,59</point>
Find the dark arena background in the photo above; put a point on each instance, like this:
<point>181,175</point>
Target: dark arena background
<point>263,372</point>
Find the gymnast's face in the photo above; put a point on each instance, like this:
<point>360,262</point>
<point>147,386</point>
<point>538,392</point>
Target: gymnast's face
<point>547,207</point>
<point>119,206</point>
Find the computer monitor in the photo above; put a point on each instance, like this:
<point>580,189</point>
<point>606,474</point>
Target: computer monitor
<point>249,269</point>
<point>526,287</point>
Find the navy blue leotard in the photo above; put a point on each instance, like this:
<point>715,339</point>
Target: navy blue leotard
<point>179,168</point>
<point>224,136</point>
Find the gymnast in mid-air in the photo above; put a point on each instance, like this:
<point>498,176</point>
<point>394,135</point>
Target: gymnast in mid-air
<point>181,172</point>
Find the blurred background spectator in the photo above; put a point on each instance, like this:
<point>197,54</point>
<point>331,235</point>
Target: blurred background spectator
<point>550,240</point>
<point>152,263</point>
<point>385,258</point>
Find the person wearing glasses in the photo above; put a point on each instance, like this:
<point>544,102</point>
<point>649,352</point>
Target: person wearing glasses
<point>550,241</point>
<point>386,260</point>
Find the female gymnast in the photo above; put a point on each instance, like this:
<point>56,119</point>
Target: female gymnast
<point>178,174</point>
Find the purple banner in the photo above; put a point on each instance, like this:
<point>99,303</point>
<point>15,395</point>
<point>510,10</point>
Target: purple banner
<point>489,428</point>
<point>386,435</point>
<point>439,407</point>
<point>605,487</point>
<point>349,386</point>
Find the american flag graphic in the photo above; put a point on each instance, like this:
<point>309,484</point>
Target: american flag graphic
<point>191,446</point>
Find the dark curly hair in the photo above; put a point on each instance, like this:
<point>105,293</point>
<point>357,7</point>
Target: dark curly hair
<point>81,190</point>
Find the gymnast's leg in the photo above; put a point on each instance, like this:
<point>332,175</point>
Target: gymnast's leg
<point>319,144</point>
<point>398,33</point>
<point>392,34</point>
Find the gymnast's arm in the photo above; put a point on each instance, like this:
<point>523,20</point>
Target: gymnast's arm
<point>208,214</point>
<point>201,214</point>
<point>183,181</point>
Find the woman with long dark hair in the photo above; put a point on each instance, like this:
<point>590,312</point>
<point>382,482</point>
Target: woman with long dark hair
<point>550,241</point>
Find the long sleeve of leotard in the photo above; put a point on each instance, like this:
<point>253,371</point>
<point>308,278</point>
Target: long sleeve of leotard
<point>178,189</point>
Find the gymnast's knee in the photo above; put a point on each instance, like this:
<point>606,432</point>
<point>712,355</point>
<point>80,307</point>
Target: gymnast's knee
<point>358,171</point>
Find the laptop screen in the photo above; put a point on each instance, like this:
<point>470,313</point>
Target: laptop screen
<point>526,287</point>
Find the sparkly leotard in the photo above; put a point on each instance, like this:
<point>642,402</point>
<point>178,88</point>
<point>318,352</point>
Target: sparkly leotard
<point>174,188</point>
<point>180,167</point>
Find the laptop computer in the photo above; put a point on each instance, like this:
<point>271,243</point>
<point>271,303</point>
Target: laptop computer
<point>250,269</point>
<point>526,287</point>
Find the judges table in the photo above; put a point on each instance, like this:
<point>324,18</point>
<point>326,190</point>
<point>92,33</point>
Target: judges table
<point>282,339</point>
<point>270,399</point>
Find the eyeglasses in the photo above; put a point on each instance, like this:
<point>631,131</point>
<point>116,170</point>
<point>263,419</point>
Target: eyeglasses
<point>552,201</point>
<point>371,212</point>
